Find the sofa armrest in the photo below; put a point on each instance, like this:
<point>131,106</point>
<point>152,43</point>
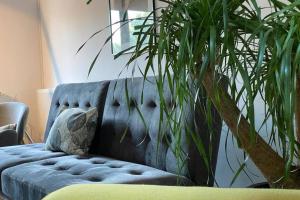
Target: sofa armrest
<point>8,138</point>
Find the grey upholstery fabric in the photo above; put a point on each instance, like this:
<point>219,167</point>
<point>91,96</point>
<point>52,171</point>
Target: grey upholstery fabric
<point>77,95</point>
<point>134,157</point>
<point>52,174</point>
<point>14,113</point>
<point>73,131</point>
<point>15,155</point>
<point>139,144</point>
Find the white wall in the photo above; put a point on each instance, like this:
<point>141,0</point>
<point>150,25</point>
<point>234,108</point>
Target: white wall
<point>235,157</point>
<point>20,57</point>
<point>66,25</point>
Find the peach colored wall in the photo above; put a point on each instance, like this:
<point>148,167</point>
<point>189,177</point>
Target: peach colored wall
<point>20,54</point>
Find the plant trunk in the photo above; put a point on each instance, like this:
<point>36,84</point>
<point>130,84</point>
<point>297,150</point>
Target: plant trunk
<point>297,118</point>
<point>265,158</point>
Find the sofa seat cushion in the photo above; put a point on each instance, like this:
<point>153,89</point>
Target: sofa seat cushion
<point>15,155</point>
<point>55,173</point>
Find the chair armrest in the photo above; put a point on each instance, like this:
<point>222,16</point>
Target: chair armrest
<point>8,138</point>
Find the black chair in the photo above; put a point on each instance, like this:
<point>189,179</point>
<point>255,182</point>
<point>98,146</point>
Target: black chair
<point>13,113</point>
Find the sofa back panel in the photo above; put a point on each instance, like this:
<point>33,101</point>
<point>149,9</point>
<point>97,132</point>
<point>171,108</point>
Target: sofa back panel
<point>125,136</point>
<point>74,95</point>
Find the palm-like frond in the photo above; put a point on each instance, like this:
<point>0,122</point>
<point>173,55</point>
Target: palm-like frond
<point>231,38</point>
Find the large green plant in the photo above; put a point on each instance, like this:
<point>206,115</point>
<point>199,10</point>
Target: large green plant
<point>200,40</point>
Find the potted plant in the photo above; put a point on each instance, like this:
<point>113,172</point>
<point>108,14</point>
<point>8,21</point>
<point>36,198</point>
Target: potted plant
<point>204,40</point>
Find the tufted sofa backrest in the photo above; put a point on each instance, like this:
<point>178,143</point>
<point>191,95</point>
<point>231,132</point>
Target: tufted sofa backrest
<point>124,135</point>
<point>82,95</point>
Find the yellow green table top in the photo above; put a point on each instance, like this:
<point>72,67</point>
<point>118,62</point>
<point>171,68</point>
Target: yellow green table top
<point>149,192</point>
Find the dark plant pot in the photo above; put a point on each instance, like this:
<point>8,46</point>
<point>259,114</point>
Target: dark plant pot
<point>260,185</point>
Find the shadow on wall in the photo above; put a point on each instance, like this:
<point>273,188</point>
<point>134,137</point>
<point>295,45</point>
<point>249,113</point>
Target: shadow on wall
<point>48,44</point>
<point>44,97</point>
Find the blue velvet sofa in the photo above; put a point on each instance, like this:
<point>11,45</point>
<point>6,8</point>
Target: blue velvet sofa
<point>29,172</point>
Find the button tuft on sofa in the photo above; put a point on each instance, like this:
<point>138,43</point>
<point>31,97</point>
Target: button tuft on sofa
<point>60,169</point>
<point>14,154</point>
<point>76,173</point>
<point>135,172</point>
<point>88,104</point>
<point>98,162</point>
<point>82,158</point>
<point>168,138</point>
<point>24,156</point>
<point>95,179</point>
<point>133,103</point>
<point>115,103</point>
<point>48,163</point>
<point>152,104</point>
<point>114,166</point>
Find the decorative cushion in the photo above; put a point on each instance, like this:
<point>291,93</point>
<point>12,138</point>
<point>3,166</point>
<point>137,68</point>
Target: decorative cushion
<point>73,131</point>
<point>8,127</point>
